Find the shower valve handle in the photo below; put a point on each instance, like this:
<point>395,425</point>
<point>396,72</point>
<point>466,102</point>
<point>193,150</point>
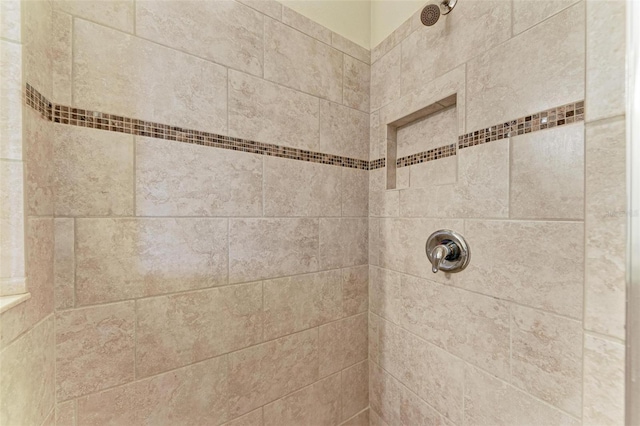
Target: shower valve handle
<point>447,251</point>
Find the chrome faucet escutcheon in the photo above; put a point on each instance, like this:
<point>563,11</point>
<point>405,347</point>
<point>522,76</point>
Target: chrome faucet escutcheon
<point>447,251</point>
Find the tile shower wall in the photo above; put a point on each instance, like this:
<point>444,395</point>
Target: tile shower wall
<point>532,331</point>
<point>198,285</point>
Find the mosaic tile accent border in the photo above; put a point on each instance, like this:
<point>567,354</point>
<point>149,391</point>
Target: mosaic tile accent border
<point>430,155</point>
<point>115,123</point>
<point>547,119</point>
<point>377,164</point>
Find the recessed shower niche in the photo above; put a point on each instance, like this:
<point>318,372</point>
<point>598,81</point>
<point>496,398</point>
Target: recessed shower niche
<point>421,136</point>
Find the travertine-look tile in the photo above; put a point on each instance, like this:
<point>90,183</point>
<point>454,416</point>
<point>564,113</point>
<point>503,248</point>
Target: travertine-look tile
<point>606,43</point>
<point>66,413</point>
<point>527,13</point>
<point>27,383</point>
<point>222,31</point>
<point>64,266</point>
<point>355,389</point>
<point>269,248</point>
<point>399,34</point>
<point>355,290</point>
<point>179,179</point>
<point>318,404</point>
<point>386,78</point>
<point>118,14</point>
<point>604,365</point>
<point>489,401</point>
<point>432,51</point>
<point>374,241</point>
<point>377,137</point>
<point>125,258</point>
<point>350,48</point>
<point>343,242</point>
<point>270,8</point>
<point>10,20</point>
<point>373,332</point>
<point>547,357</point>
<point>431,132</point>
<point>300,62</point>
<point>300,302</point>
<point>93,172</point>
<point>10,93</point>
<point>360,419</point>
<point>62,58</point>
<point>292,118</point>
<point>537,274</point>
<point>306,25</point>
<point>194,395</point>
<point>95,349</point>
<point>37,27</point>
<point>539,162</point>
<point>606,224</point>
<point>12,222</point>
<point>469,325</point>
<point>342,343</point>
<point>384,397</point>
<point>382,202</point>
<point>414,411</point>
<point>357,76</point>
<point>439,172</point>
<point>39,168</point>
<point>253,418</point>
<point>194,91</point>
<point>343,130</point>
<point>432,373</point>
<point>298,188</point>
<point>355,192</point>
<point>495,89</point>
<point>385,293</point>
<point>264,373</point>
<point>184,328</point>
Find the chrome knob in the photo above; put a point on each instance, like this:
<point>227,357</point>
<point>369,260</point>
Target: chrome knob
<point>447,251</point>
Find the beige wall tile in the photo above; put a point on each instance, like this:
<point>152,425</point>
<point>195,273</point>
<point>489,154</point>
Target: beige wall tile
<point>191,395</point>
<point>547,357</point>
<point>343,130</point>
<point>355,192</point>
<point>360,419</point>
<point>10,20</point>
<point>377,137</point>
<point>527,13</point>
<point>225,32</point>
<point>414,411</point>
<point>64,267</point>
<point>430,372</point>
<point>432,51</point>
<point>270,8</point>
<point>374,241</point>
<point>10,94</point>
<point>264,373</point>
<point>40,247</point>
<point>270,248</point>
<point>342,343</point>
<point>120,259</point>
<point>350,48</point>
<point>299,188</point>
<point>386,80</point>
<point>490,401</point>
<point>605,79</point>
<point>343,242</point>
<point>399,34</point>
<point>93,172</point>
<point>300,302</point>
<point>118,14</point>
<point>373,333</point>
<point>469,325</point>
<point>318,404</point>
<point>606,224</point>
<point>180,329</point>
<point>39,167</point>
<point>253,418</point>
<point>385,296</point>
<point>66,414</point>
<point>194,91</point>
<point>95,349</point>
<point>439,172</point>
<point>357,76</point>
<point>603,381</point>
<point>293,118</point>
<point>306,25</point>
<point>384,397</point>
<point>537,274</point>
<point>431,132</point>
<point>179,179</point>
<point>300,62</point>
<point>547,174</point>
<point>62,57</point>
<point>28,377</point>
<point>381,201</point>
<point>355,389</point>
<point>12,225</point>
<point>37,26</point>
<point>355,290</point>
<point>503,84</point>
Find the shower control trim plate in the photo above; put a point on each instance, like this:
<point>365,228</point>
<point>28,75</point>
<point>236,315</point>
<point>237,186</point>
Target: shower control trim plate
<point>447,251</point>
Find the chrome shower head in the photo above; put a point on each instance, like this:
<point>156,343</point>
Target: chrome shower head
<point>431,12</point>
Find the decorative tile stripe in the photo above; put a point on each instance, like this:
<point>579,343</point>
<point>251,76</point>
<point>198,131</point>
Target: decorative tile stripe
<point>554,117</point>
<point>377,164</point>
<point>432,154</point>
<point>114,123</point>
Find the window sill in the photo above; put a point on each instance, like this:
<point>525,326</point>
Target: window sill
<point>8,302</point>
